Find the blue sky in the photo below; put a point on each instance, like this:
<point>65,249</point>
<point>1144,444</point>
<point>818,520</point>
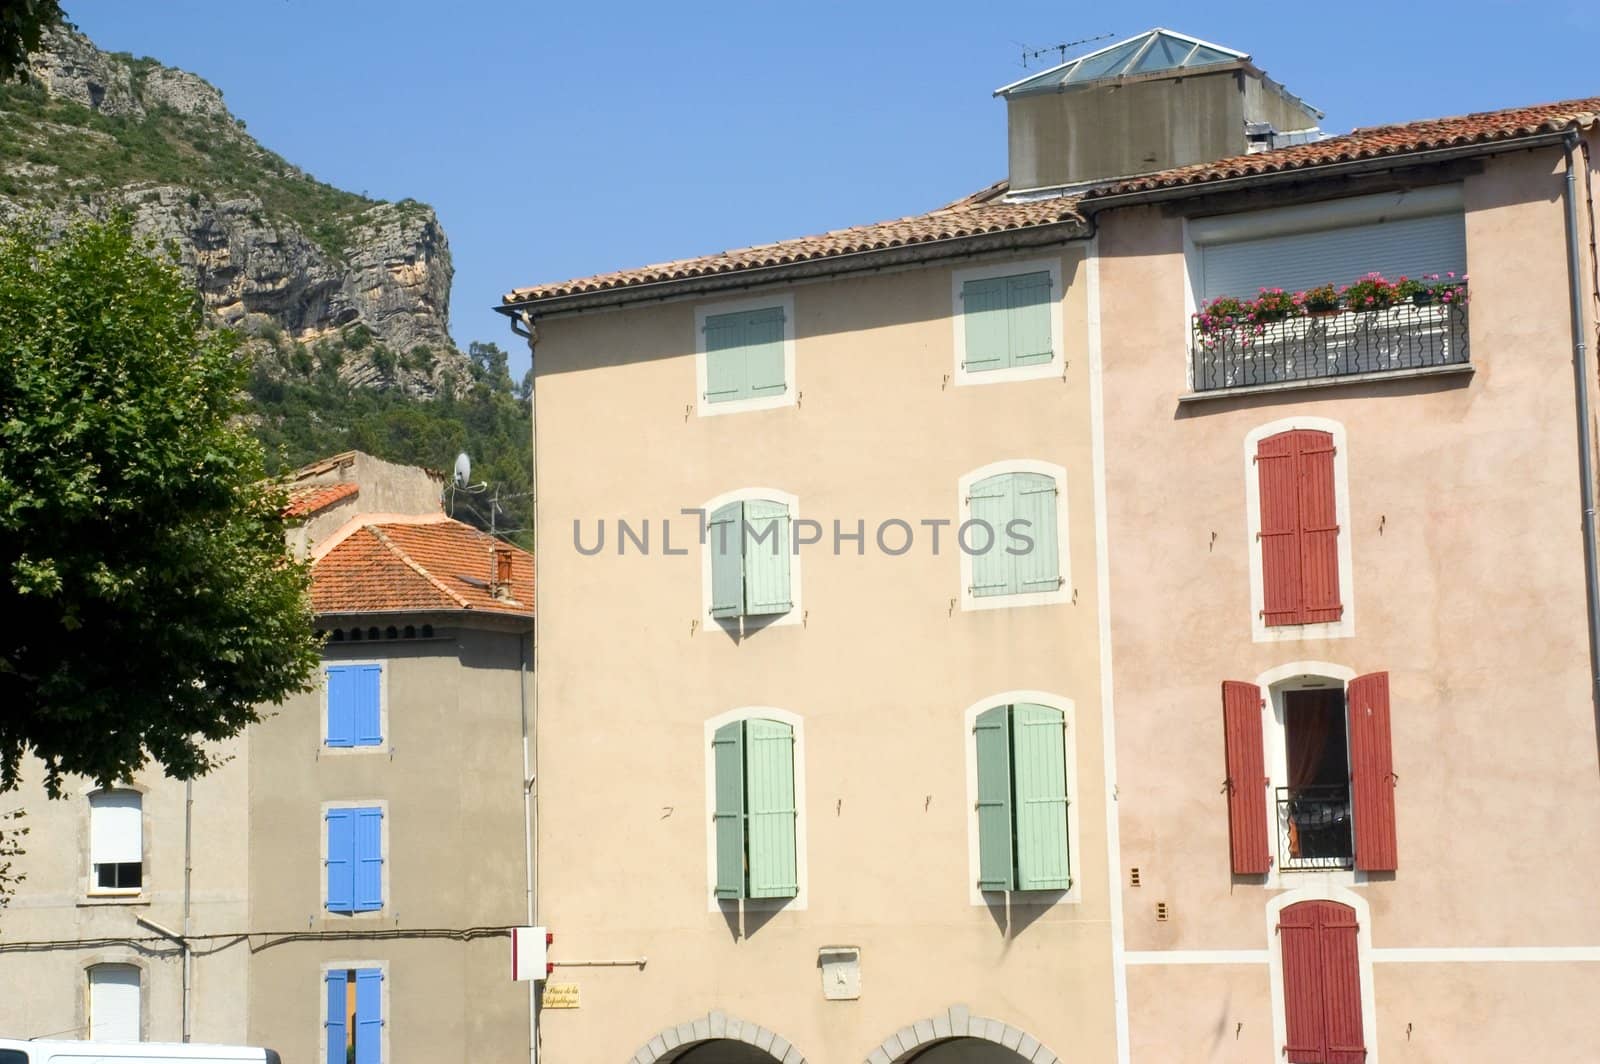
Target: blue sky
<point>557,140</point>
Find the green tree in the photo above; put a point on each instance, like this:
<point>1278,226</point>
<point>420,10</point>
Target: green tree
<point>147,603</point>
<point>22,24</point>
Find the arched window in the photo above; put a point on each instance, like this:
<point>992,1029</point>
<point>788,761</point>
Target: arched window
<point>751,568</point>
<point>1322,1003</point>
<point>756,798</point>
<point>1012,535</point>
<point>114,1003</point>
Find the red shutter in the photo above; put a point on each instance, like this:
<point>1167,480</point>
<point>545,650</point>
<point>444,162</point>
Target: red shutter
<point>1319,528</point>
<point>1247,778</point>
<point>1321,984</point>
<point>1372,777</point>
<point>1276,462</point>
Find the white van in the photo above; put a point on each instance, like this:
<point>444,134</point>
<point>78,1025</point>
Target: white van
<point>54,1052</point>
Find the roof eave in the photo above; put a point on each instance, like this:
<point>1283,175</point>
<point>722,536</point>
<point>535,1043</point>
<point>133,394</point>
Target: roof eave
<point>804,269</point>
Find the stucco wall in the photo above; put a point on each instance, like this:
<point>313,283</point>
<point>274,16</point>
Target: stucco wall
<point>880,671</point>
<point>46,986</point>
<point>449,778</point>
<point>1468,590</point>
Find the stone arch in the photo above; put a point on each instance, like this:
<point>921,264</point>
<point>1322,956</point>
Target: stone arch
<point>716,1026</point>
<point>957,1022</point>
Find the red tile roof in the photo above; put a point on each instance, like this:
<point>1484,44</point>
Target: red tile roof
<point>1376,141</point>
<point>417,566</point>
<point>983,212</point>
<point>307,499</point>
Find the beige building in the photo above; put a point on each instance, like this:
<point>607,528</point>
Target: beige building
<point>1216,768</point>
<point>355,867</point>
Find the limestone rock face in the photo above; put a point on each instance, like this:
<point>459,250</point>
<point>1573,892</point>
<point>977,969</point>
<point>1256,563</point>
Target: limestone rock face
<point>306,275</point>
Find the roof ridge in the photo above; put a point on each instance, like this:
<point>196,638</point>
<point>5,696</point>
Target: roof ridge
<point>399,552</point>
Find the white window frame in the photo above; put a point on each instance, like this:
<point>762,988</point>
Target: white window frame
<point>796,612</point>
<point>322,1008</point>
<point>1032,898</point>
<point>91,889</point>
<point>384,836</point>
<point>384,665</point>
<point>791,391</point>
<point>87,1027</point>
<point>1369,1008</point>
<point>1054,368</point>
<point>801,899</point>
<point>1063,591</point>
<point>1345,626</point>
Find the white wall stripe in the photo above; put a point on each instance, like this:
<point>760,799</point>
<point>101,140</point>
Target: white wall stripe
<point>1147,957</point>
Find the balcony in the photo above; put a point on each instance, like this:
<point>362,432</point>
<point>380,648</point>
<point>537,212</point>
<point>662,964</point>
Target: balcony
<point>1334,344</point>
<point>1314,828</point>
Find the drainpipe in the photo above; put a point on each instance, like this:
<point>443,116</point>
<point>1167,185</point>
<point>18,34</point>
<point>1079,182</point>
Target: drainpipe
<point>530,695</point>
<point>188,870</point>
<point>182,942</point>
<point>1585,441</point>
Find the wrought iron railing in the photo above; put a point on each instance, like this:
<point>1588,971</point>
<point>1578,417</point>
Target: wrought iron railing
<point>1314,828</point>
<point>1339,343</point>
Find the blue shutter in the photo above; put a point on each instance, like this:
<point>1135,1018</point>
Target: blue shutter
<point>983,316</point>
<point>992,569</point>
<point>368,859</point>
<point>1039,762</point>
<point>991,736</point>
<point>341,705</point>
<point>725,532</point>
<point>725,358</point>
<point>336,1036</point>
<point>1028,299</point>
<point>368,684</point>
<point>764,362</point>
<point>369,1016</point>
<point>1034,500</point>
<point>766,558</point>
<point>727,760</point>
<point>769,787</point>
<point>341,860</point>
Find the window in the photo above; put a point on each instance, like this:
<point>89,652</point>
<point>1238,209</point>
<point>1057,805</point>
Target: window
<point>1008,322</point>
<point>354,705</point>
<point>755,815</point>
<point>745,355</point>
<point>355,859</point>
<point>116,842</point>
<point>1022,802</point>
<point>1321,983</point>
<point>1012,537</point>
<point>354,1024</point>
<point>750,559</point>
<point>1298,505</point>
<point>114,1003</point>
<point>1333,802</point>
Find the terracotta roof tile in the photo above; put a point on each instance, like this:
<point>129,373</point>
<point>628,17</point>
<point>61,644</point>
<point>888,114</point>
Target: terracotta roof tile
<point>430,566</point>
<point>1375,141</point>
<point>985,212</point>
<point>307,499</point>
<point>972,216</point>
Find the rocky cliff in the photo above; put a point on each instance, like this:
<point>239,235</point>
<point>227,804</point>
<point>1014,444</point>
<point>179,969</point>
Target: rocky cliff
<point>315,275</point>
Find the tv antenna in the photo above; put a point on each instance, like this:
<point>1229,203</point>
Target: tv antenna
<point>1035,54</point>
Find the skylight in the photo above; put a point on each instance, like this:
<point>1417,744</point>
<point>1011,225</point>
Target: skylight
<point>1149,53</point>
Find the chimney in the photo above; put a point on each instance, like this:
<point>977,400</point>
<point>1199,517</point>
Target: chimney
<point>1152,102</point>
<point>500,585</point>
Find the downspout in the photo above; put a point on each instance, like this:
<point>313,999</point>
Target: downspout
<point>188,870</point>
<point>530,696</point>
<point>1580,373</point>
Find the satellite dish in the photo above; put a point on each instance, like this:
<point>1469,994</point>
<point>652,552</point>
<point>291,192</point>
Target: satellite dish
<point>463,470</point>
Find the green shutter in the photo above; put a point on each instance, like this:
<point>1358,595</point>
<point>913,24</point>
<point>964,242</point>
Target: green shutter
<point>725,361</point>
<point>769,767</point>
<point>1039,763</point>
<point>992,570</point>
<point>725,538</point>
<point>993,744</point>
<point>766,558</point>
<point>1028,298</point>
<point>727,760</point>
<point>983,314</point>
<point>1034,500</point>
<point>764,362</point>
